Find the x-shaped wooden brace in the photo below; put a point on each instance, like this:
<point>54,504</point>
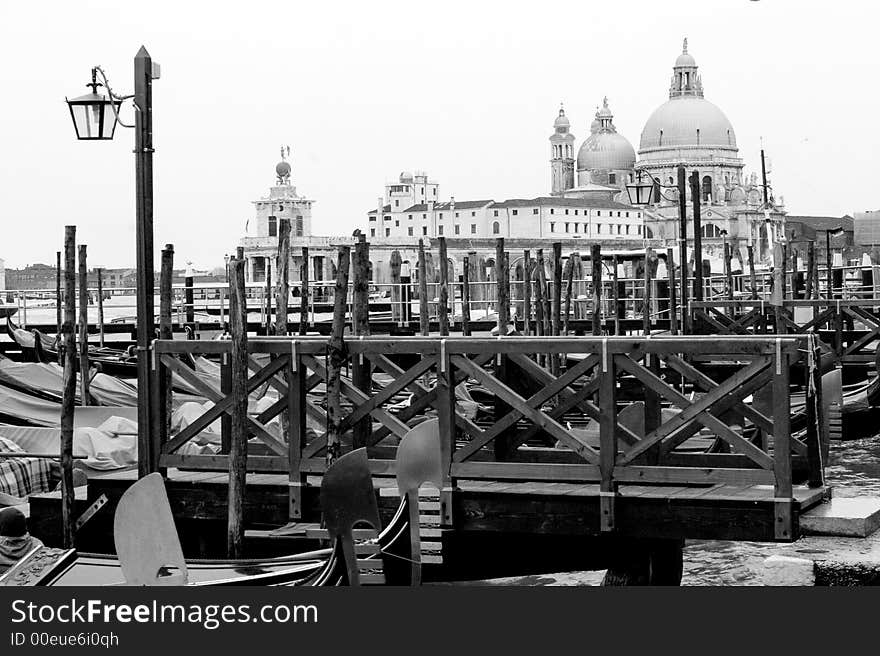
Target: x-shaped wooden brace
<point>223,404</point>
<point>718,400</point>
<point>520,404</point>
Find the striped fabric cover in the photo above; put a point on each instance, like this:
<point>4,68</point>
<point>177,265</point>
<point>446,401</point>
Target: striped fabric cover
<point>20,477</point>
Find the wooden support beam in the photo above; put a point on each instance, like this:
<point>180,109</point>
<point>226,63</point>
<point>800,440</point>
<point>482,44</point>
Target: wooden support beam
<point>83,326</point>
<point>238,451</point>
<point>68,398</point>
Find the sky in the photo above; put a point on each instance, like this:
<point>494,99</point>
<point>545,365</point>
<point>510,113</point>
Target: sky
<point>466,91</point>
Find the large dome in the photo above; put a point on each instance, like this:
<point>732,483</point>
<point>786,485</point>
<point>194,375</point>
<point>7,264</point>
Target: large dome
<point>687,121</point>
<point>607,151</point>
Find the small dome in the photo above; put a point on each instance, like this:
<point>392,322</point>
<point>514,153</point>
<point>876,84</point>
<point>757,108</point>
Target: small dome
<point>406,176</point>
<point>282,169</point>
<point>561,120</point>
<point>685,60</point>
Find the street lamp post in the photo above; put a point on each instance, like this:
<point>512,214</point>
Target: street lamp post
<point>91,120</point>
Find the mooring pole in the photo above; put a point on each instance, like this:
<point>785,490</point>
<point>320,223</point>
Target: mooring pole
<point>304,292</point>
<point>527,292</point>
<point>100,306</point>
<point>361,373</point>
<point>670,272</point>
<point>164,409</point>
<point>682,250</point>
<point>569,287</point>
<point>238,451</point>
<point>545,294</point>
<point>503,305</point>
<point>698,237</point>
<point>615,294</point>
<point>282,273</point>
<point>396,309</point>
<point>424,324</point>
<point>143,99</point>
<point>596,260</point>
<point>443,296</point>
<point>268,294</point>
<point>336,358</point>
<point>58,304</point>
<point>466,296</point>
<point>68,398</point>
<point>83,326</point>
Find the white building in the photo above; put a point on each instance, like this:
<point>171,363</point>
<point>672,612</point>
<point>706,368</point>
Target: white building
<point>2,274</point>
<point>581,213</point>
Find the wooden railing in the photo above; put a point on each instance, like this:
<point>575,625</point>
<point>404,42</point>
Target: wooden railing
<point>530,433</point>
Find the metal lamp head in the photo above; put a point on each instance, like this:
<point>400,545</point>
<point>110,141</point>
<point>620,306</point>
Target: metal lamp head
<point>92,114</point>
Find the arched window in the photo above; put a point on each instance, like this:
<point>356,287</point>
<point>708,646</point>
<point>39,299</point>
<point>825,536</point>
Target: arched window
<point>496,228</point>
<point>707,189</point>
<point>710,231</point>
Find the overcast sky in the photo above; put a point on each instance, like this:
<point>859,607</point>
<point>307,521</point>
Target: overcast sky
<point>361,91</point>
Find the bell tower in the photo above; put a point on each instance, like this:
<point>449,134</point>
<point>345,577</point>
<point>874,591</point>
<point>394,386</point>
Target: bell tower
<point>561,155</point>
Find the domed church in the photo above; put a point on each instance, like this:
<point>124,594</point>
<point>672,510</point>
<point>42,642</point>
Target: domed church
<point>685,130</point>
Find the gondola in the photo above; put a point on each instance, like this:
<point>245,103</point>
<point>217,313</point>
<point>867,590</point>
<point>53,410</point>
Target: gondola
<point>150,552</point>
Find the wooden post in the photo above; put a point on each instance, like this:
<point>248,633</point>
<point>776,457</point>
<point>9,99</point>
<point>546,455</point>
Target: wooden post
<point>615,294</point>
<point>396,308</point>
<point>670,271</point>
<point>282,273</point>
<point>698,237</point>
<point>682,249</point>
<point>539,293</point>
<point>569,286</point>
<point>238,451</point>
<point>782,447</point>
<point>544,294</point>
<point>443,307</point>
<point>596,259</point>
<point>784,266</point>
<point>336,358</point>
<point>189,299</point>
<point>557,288</point>
<point>100,307</point>
<point>527,292</point>
<point>143,99</point>
<point>58,301</point>
<point>778,295</point>
<point>361,373</point>
<point>83,326</point>
<point>811,261</point>
<point>607,435</point>
<point>503,300</point>
<point>267,294</point>
<point>424,324</point>
<point>304,293</point>
<point>162,375</point>
<point>68,398</point>
<point>728,273</point>
<point>646,304</point>
<point>466,296</point>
